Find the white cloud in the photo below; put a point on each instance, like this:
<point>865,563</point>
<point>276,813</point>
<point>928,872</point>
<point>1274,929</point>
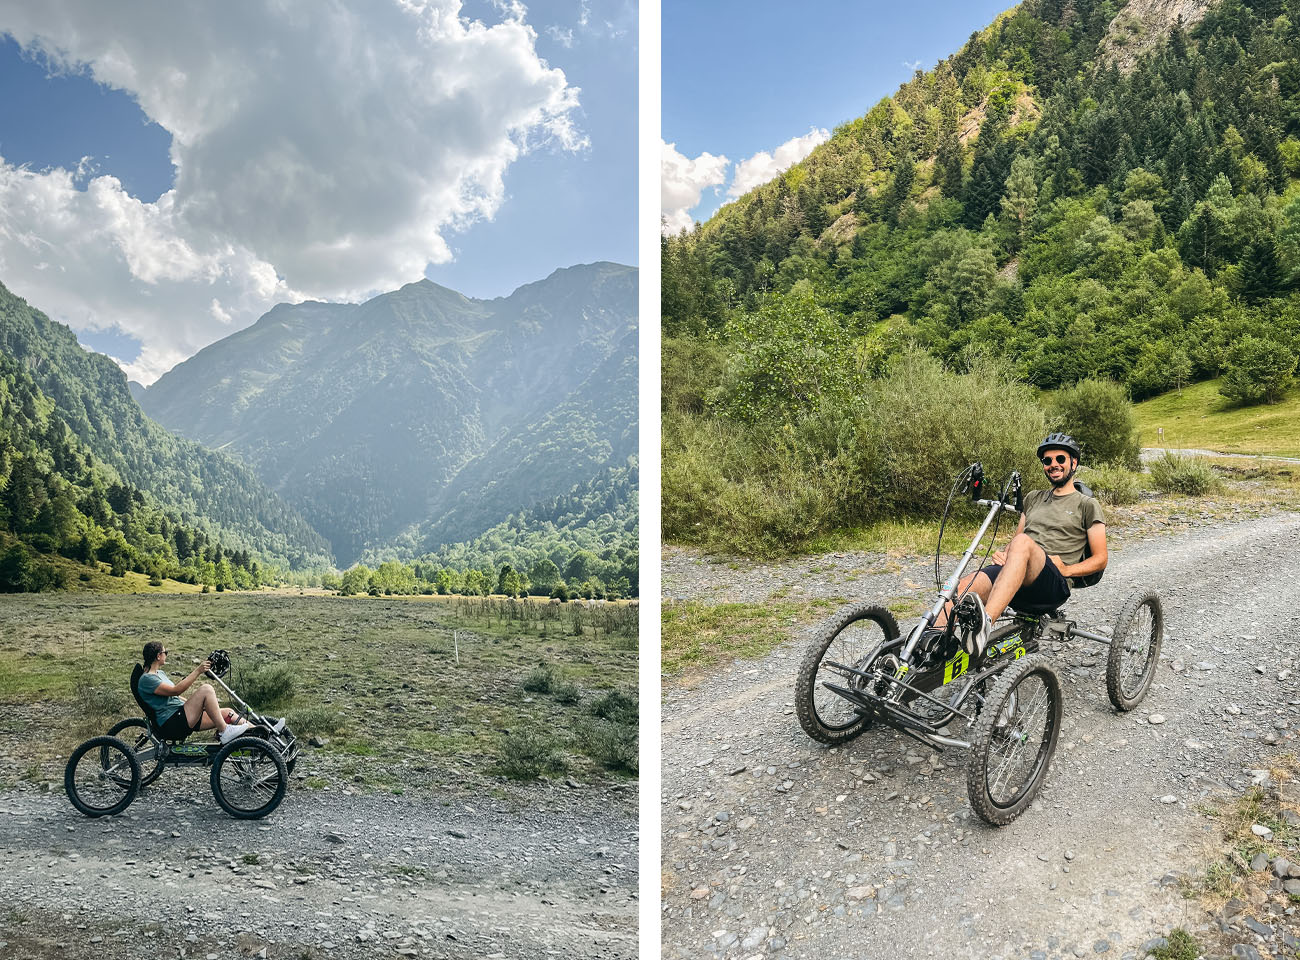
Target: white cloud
<point>912,65</point>
<point>683,182</point>
<point>764,166</point>
<point>563,37</point>
<point>322,150</point>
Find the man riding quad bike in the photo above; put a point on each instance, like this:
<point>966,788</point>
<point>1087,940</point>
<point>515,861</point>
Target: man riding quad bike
<point>1062,536</point>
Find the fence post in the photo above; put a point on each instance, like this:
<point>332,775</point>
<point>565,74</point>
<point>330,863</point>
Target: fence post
<point>455,639</point>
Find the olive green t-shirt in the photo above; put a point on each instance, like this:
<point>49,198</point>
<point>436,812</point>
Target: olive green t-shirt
<point>1060,524</point>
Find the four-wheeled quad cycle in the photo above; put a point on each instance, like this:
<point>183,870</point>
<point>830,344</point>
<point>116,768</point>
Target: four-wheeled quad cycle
<point>859,670</point>
<point>250,774</point>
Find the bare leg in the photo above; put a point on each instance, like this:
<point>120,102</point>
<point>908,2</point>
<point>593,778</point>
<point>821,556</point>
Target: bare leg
<point>977,583</point>
<point>1025,560</point>
<point>202,710</point>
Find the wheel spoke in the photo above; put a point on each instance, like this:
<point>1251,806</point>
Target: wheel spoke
<point>1017,748</point>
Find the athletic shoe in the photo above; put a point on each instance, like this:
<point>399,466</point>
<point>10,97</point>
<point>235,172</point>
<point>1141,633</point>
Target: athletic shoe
<point>233,731</point>
<point>975,624</point>
<point>278,726</point>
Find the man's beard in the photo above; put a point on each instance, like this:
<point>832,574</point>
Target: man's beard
<point>1065,478</point>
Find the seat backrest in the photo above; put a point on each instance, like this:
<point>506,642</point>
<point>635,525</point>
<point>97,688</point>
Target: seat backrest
<point>1093,578</point>
<point>136,673</point>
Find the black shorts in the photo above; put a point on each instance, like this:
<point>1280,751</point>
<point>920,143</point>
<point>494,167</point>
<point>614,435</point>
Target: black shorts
<point>177,726</point>
<point>1049,590</point>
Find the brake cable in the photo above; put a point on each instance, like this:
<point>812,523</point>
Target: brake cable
<point>947,507</point>
<point>993,539</point>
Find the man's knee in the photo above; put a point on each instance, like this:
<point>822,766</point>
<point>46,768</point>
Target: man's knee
<point>1021,543</point>
<point>205,689</point>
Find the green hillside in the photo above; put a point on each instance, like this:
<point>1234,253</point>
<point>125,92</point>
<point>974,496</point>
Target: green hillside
<point>1087,189</point>
<point>206,490</point>
<point>1030,198</point>
<point>63,513</point>
<point>421,417</point>
<point>1201,418</point>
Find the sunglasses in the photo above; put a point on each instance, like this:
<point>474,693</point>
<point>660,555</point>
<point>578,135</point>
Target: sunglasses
<point>1061,458</point>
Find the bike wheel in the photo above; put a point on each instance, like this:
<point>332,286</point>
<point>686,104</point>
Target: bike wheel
<point>1013,740</point>
<point>1135,650</point>
<point>150,752</point>
<point>102,777</point>
<point>849,637</point>
<point>249,778</point>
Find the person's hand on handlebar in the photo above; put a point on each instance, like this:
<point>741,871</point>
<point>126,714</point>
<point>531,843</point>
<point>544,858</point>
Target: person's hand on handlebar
<point>204,667</point>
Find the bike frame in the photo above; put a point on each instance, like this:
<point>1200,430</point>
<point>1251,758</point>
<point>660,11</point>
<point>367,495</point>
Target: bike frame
<point>889,707</point>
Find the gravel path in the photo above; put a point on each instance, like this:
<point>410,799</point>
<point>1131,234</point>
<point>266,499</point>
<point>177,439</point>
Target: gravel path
<point>775,846</point>
<point>327,875</point>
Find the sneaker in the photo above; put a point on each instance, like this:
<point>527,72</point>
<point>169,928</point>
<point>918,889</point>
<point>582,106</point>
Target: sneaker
<point>278,726</point>
<point>234,731</point>
<point>975,624</point>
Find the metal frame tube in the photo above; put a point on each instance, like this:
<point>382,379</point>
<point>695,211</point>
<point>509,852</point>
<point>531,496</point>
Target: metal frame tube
<point>946,593</point>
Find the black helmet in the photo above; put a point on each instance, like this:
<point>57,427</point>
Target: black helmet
<point>1063,441</point>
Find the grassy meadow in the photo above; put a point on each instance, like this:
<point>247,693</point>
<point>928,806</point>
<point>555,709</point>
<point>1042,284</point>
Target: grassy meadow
<point>1200,418</point>
<point>376,680</point>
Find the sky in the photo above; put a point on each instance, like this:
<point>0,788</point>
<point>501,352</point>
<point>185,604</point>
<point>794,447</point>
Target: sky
<point>169,171</point>
<point>749,89</point>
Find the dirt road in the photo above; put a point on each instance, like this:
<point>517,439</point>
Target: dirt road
<point>775,846</point>
<point>327,875</point>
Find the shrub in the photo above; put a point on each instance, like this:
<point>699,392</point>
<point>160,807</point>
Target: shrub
<point>1098,414</point>
<point>541,680</point>
<point>612,745</point>
<point>308,721</point>
<point>1176,473</point>
<point>527,754</point>
<point>566,691</point>
<point>619,706</point>
<point>690,370</point>
<point>765,489</point>
<point>787,357</point>
<point>1257,370</point>
<point>1114,486</point>
<point>265,685</point>
<point>106,701</point>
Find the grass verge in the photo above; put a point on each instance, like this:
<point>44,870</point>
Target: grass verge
<point>699,636</point>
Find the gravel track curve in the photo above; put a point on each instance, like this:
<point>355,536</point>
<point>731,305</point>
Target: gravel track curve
<point>774,846</point>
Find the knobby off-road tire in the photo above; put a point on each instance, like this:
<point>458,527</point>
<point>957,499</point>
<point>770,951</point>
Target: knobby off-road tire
<point>249,778</point>
<point>149,751</point>
<point>847,637</point>
<point>1135,650</point>
<point>102,777</point>
<point>1013,740</point>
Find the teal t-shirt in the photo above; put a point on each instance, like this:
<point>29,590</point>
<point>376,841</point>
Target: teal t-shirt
<point>163,707</point>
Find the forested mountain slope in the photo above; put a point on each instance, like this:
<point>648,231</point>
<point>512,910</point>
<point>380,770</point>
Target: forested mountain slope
<point>1088,188</point>
<point>203,489</point>
<point>421,416</point>
<point>58,497</point>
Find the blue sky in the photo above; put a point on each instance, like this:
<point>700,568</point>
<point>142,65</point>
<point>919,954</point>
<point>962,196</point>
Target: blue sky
<point>309,176</point>
<point>740,78</point>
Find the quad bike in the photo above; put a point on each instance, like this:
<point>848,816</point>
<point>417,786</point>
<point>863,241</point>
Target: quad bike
<point>858,670</point>
<point>250,774</point>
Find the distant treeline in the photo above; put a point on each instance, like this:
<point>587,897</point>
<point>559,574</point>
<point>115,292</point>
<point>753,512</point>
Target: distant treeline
<point>58,498</point>
<point>582,543</point>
